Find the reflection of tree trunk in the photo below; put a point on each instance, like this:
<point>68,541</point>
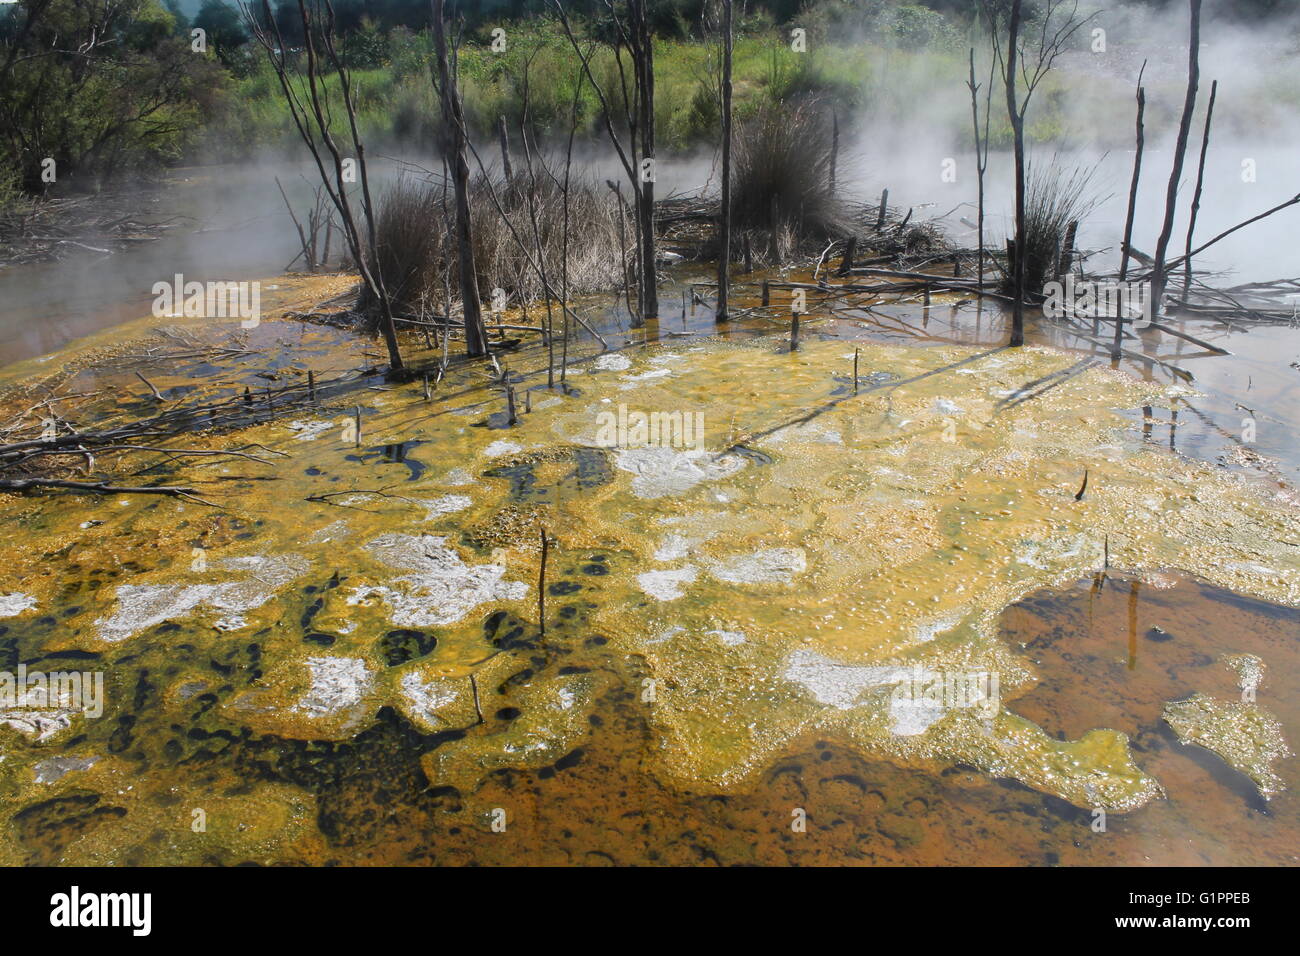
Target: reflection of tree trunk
<point>1133,588</point>
<point>1018,130</point>
<point>724,231</point>
<point>453,124</point>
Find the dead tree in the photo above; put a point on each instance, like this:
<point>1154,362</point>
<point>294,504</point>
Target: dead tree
<point>1032,64</point>
<point>311,108</point>
<point>1017,117</point>
<point>1196,197</point>
<point>640,44</point>
<point>1158,270</point>
<point>506,168</point>
<point>638,155</point>
<point>724,216</point>
<point>453,144</point>
<point>530,188</point>
<point>1137,175</point>
<point>981,152</point>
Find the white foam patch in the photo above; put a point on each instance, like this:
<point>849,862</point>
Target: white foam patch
<point>424,698</point>
<point>11,605</point>
<point>441,589</point>
<point>666,585</point>
<point>53,769</point>
<point>665,634</point>
<point>632,381</point>
<point>912,716</point>
<point>501,447</point>
<point>836,684</point>
<point>931,629</point>
<point>770,566</point>
<point>661,471</point>
<point>337,684</point>
<point>335,531</point>
<point>729,638</point>
<point>840,685</point>
<point>41,710</point>
<point>811,432</point>
<point>447,504</point>
<point>674,547</point>
<point>611,362</point>
<point>310,431</point>
<point>142,606</point>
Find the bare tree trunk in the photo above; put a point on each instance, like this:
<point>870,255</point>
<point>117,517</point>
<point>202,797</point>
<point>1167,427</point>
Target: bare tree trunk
<point>1158,273</point>
<point>724,254</point>
<point>312,120</point>
<point>1018,131</point>
<point>1196,198</point>
<point>564,246</point>
<point>453,124</point>
<point>1137,174</point>
<point>981,155</point>
<point>506,168</point>
<point>643,56</point>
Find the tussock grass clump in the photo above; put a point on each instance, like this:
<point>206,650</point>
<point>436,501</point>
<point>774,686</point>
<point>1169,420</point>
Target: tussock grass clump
<point>781,179</point>
<point>1055,196</point>
<point>418,258</point>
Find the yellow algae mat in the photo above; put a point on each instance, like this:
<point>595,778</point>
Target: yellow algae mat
<point>742,545</point>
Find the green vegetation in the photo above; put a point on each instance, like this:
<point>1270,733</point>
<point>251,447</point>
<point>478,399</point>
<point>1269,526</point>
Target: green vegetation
<point>143,99</point>
<point>397,105</point>
<point>92,90</point>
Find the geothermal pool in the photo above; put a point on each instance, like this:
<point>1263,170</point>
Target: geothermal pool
<point>871,626</point>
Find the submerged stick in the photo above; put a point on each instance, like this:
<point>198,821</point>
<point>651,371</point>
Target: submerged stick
<point>157,396</point>
<point>1083,487</point>
<point>541,587</point>
<point>100,488</point>
<point>846,264</point>
<point>855,371</point>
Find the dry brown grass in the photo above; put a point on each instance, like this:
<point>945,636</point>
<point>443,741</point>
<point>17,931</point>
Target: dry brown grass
<point>417,255</point>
